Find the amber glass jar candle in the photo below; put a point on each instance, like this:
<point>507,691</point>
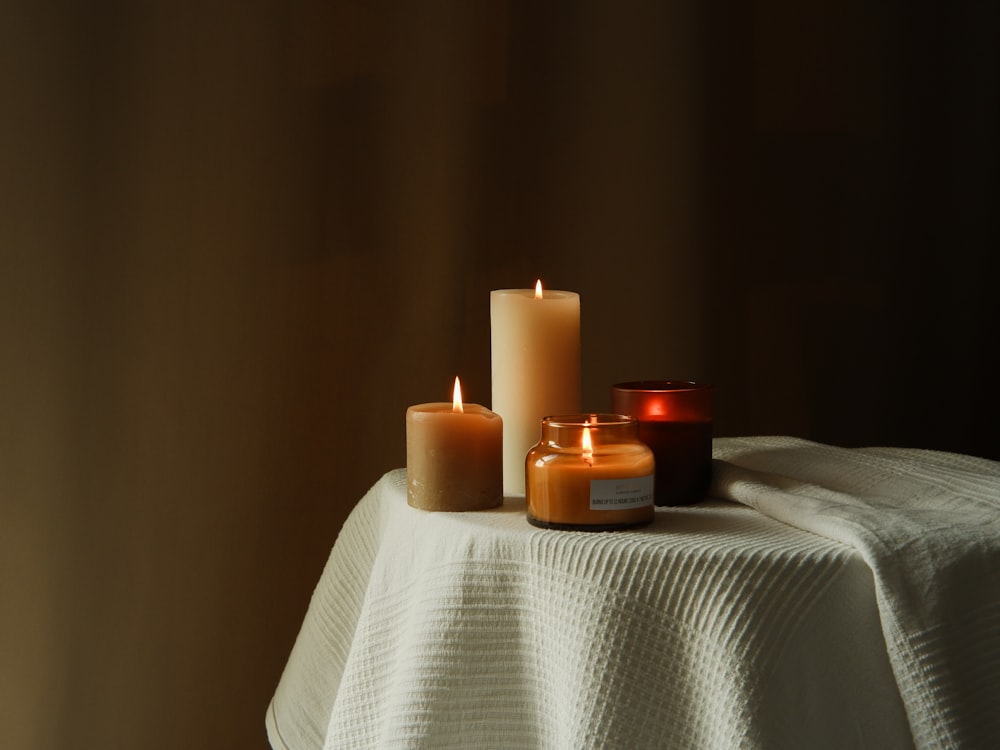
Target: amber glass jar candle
<point>589,472</point>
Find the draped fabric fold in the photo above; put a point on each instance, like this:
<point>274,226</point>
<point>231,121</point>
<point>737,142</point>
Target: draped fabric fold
<point>715,627</point>
<point>928,525</point>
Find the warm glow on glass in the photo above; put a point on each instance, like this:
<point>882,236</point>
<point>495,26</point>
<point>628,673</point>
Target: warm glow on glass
<point>655,409</point>
<point>456,398</point>
<point>538,289</point>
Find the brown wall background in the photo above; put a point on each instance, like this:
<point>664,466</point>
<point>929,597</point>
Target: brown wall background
<point>238,239</point>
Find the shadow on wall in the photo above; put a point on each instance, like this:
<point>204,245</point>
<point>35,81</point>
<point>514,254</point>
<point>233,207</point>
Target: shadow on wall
<point>851,176</point>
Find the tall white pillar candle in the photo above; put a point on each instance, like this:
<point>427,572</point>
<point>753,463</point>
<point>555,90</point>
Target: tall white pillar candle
<point>535,343</point>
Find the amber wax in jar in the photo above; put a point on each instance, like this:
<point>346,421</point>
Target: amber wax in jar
<point>589,472</point>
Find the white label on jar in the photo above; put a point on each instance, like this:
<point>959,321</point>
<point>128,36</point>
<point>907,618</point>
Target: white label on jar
<point>621,494</point>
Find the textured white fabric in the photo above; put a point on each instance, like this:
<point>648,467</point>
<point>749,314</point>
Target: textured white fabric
<point>928,525</point>
<point>715,627</point>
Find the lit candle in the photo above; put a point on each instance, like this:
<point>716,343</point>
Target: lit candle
<point>535,342</point>
<point>675,420</point>
<point>590,472</point>
<point>454,455</point>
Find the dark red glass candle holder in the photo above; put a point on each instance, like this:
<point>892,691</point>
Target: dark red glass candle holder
<point>675,420</point>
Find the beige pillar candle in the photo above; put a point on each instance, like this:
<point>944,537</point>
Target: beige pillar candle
<point>535,342</point>
<point>454,456</point>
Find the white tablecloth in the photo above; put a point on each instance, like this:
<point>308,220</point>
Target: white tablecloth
<point>715,627</point>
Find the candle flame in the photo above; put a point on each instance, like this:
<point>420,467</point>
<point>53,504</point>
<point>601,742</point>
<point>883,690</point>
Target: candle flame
<point>456,398</point>
<point>538,289</point>
<point>588,446</point>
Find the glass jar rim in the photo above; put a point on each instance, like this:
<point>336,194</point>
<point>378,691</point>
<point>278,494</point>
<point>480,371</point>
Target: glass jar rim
<point>655,386</point>
<point>589,420</point>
